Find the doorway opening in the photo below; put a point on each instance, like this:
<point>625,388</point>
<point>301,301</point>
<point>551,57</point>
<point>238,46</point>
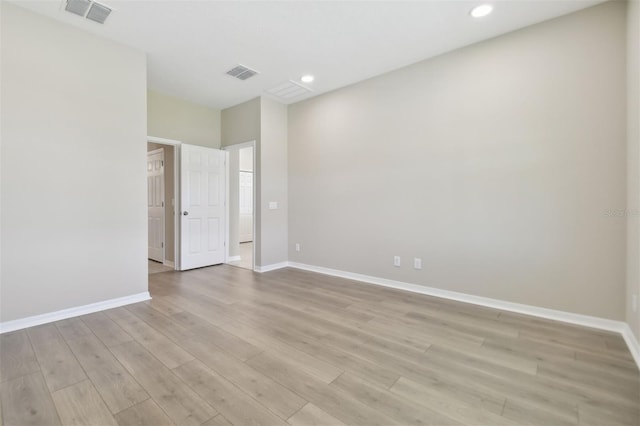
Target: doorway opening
<point>161,196</point>
<point>241,205</point>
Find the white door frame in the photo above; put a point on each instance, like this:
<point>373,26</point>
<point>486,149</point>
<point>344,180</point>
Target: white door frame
<point>176,185</point>
<point>256,237</point>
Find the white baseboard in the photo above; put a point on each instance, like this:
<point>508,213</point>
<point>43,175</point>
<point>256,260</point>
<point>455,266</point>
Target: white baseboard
<point>169,263</point>
<point>233,258</point>
<point>271,267</point>
<point>21,323</point>
<point>552,314</point>
<point>632,342</point>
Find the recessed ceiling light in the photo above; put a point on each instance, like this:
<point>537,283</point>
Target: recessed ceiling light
<point>481,11</point>
<point>307,78</point>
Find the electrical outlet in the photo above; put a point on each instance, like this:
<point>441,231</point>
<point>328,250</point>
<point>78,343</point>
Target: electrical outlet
<point>634,302</point>
<point>396,261</point>
<point>417,263</point>
<point>297,246</point>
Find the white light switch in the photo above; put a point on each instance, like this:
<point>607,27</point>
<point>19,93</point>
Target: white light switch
<point>273,205</point>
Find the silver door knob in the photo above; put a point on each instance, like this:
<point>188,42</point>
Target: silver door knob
<point>185,213</point>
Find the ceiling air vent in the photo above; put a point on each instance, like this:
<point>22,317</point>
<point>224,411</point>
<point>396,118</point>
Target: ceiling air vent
<point>88,9</point>
<point>241,72</point>
<point>79,7</point>
<point>98,13</point>
<point>289,90</point>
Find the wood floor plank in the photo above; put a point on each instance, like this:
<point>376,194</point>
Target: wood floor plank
<point>594,413</point>
<point>574,374</point>
<point>218,420</point>
<point>200,308</point>
<point>17,356</point>
<point>146,413</point>
<point>110,333</point>
<point>518,387</point>
<point>163,306</point>
<point>494,356</point>
<point>310,415</point>
<point>469,378</point>
<point>280,400</point>
<point>72,328</point>
<point>160,322</point>
<point>526,414</point>
<point>313,366</point>
<point>26,401</point>
<point>455,405</point>
<point>229,400</point>
<point>116,386</point>
<point>59,366</point>
<point>161,346</point>
<point>334,401</point>
<point>231,343</point>
<point>177,399</point>
<point>81,405</point>
<point>348,362</point>
<point>404,410</point>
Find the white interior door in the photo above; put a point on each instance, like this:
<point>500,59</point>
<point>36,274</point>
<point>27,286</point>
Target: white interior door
<point>155,203</point>
<point>246,207</point>
<point>203,223</point>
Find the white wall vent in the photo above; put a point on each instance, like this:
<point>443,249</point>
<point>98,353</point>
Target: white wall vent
<point>89,9</point>
<point>241,72</point>
<point>289,90</point>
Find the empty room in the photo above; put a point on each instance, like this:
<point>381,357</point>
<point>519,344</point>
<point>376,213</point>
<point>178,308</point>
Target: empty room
<point>319,212</point>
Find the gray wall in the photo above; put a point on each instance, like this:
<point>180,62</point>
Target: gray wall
<point>501,165</point>
<point>173,118</point>
<point>633,162</point>
<point>74,219</point>
<point>264,121</point>
<point>241,123</point>
<point>273,182</point>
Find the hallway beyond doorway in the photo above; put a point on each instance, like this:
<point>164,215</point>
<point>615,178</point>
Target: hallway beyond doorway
<point>246,256</point>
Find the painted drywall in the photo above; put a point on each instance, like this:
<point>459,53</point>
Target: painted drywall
<point>173,118</point>
<point>633,163</point>
<point>169,199</point>
<point>501,165</point>
<point>274,182</point>
<point>240,124</point>
<point>74,219</point>
<point>264,121</point>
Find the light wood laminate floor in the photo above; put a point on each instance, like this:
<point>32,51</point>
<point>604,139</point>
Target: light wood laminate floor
<point>224,345</point>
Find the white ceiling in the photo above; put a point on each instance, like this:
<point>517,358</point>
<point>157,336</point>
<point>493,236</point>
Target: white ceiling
<point>191,44</point>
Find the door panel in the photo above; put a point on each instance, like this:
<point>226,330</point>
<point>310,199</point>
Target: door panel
<point>155,204</point>
<point>203,210</point>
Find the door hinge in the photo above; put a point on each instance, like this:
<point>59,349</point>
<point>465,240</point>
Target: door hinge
<point>162,245</point>
<point>162,163</point>
<point>163,204</point>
